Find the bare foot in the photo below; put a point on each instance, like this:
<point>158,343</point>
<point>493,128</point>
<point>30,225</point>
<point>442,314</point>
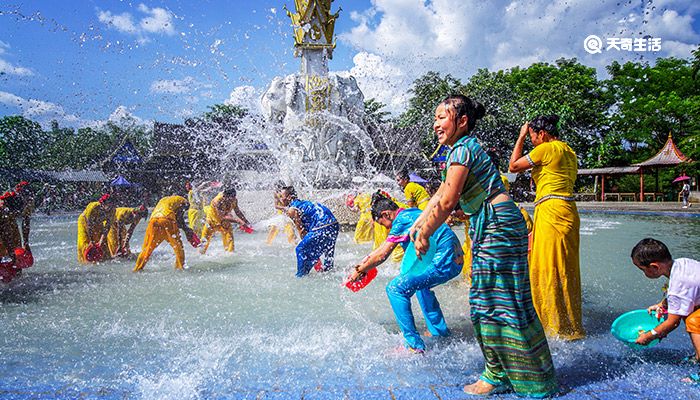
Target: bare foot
<point>479,388</point>
<point>427,333</point>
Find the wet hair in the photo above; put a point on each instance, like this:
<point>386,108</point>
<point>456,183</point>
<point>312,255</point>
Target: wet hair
<point>650,250</point>
<point>460,105</point>
<point>403,174</point>
<point>547,123</point>
<point>290,190</point>
<point>381,203</point>
<point>279,185</point>
<point>230,192</point>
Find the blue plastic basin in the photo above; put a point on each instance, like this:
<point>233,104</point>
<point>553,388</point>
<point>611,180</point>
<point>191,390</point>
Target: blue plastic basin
<point>627,327</point>
<point>411,263</point>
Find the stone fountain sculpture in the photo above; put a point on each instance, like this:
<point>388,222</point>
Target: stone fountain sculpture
<point>317,118</point>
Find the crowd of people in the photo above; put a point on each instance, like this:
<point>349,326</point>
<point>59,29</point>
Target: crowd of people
<point>525,284</point>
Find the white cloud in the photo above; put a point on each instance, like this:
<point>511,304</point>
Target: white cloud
<point>44,112</point>
<point>159,20</point>
<point>123,22</point>
<point>411,37</point>
<point>156,21</point>
<point>247,97</point>
<point>381,80</point>
<point>7,68</point>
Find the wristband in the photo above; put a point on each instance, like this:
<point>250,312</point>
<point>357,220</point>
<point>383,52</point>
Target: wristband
<point>654,332</point>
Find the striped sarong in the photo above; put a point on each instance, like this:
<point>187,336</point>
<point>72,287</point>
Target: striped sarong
<point>505,322</point>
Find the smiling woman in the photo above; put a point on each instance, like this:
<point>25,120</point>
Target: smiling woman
<point>506,326</point>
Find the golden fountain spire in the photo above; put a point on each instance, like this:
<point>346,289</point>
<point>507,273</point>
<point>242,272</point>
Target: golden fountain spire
<point>313,26</point>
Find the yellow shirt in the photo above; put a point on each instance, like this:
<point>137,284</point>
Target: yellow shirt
<point>554,169</point>
<point>214,215</point>
<point>168,207</point>
<point>196,201</point>
<point>125,215</point>
<point>96,218</point>
<point>363,201</point>
<point>415,193</point>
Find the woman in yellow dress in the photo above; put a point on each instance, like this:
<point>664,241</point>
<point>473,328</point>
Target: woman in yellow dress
<point>274,229</point>
<point>364,229</point>
<point>416,195</point>
<point>219,219</point>
<point>94,224</point>
<point>195,214</point>
<point>119,234</point>
<point>555,275</point>
<point>167,218</point>
<point>380,232</point>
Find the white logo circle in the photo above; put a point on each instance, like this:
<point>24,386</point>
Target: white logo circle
<point>593,44</point>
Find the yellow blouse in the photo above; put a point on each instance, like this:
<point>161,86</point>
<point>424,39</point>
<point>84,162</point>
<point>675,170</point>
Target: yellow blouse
<point>168,207</point>
<point>125,215</point>
<point>416,193</point>
<point>554,169</point>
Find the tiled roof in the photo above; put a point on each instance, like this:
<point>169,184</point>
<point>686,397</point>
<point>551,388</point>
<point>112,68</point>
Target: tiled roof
<point>668,155</point>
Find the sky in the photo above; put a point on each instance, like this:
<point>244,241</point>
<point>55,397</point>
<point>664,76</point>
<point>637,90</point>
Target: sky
<point>83,62</point>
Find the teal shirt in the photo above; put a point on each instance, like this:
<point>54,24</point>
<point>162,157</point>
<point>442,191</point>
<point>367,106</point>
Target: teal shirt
<point>483,180</point>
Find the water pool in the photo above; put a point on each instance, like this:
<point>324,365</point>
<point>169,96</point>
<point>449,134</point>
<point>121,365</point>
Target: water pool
<point>241,326</point>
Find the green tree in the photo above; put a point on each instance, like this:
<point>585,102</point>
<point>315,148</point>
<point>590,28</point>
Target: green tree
<point>427,92</point>
<point>223,114</point>
<point>500,126</point>
<point>650,102</point>
<point>22,142</point>
<point>374,112</point>
<point>571,91</point>
<point>696,62</point>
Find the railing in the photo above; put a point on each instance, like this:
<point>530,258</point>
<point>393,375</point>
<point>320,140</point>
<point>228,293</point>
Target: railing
<point>621,196</point>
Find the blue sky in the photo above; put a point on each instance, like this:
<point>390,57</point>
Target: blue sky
<point>82,62</point>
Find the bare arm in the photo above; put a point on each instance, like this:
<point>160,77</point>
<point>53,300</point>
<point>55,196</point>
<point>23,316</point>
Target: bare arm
<point>129,233</point>
<point>293,213</point>
<point>25,231</point>
<point>109,220</point>
<point>662,329</point>
<point>447,199</point>
<point>182,222</point>
<point>240,215</point>
<point>428,209</point>
<point>374,259</point>
<point>518,163</point>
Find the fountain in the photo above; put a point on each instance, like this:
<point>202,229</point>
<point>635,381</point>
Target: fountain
<point>239,326</point>
<point>317,118</point>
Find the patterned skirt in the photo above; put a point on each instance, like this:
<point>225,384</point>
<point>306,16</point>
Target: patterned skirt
<point>505,322</point>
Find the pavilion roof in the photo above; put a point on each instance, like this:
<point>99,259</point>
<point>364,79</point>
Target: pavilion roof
<point>609,171</point>
<point>668,155</point>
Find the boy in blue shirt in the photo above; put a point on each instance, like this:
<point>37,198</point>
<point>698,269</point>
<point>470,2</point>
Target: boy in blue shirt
<point>317,227</point>
<point>445,265</point>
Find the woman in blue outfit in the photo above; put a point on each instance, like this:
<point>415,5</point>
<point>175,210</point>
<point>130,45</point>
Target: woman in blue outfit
<point>446,264</point>
<point>317,227</point>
